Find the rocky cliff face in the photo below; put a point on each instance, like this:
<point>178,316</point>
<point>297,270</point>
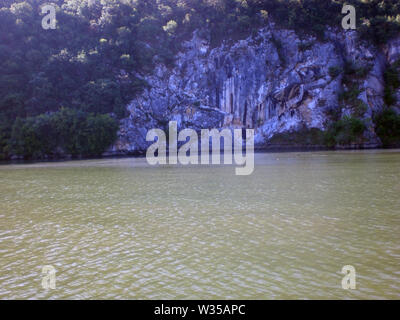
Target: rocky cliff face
<point>273,81</point>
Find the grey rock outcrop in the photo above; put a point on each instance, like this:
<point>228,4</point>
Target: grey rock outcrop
<point>273,82</point>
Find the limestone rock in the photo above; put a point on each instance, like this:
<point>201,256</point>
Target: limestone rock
<point>272,81</point>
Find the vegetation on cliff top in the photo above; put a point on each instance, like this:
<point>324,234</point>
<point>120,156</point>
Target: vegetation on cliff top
<point>91,61</point>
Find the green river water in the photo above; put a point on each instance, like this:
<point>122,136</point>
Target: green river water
<point>120,229</point>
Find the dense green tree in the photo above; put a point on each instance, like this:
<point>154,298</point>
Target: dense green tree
<point>67,131</point>
<point>345,131</point>
<point>388,127</point>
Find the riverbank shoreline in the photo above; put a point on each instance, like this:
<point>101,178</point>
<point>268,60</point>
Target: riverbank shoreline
<point>122,155</point>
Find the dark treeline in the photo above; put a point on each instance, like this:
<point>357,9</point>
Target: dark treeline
<point>64,90</point>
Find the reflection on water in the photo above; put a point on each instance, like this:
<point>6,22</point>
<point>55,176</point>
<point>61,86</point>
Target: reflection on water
<point>117,228</point>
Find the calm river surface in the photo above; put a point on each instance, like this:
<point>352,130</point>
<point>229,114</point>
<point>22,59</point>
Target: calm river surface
<point>118,228</point>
